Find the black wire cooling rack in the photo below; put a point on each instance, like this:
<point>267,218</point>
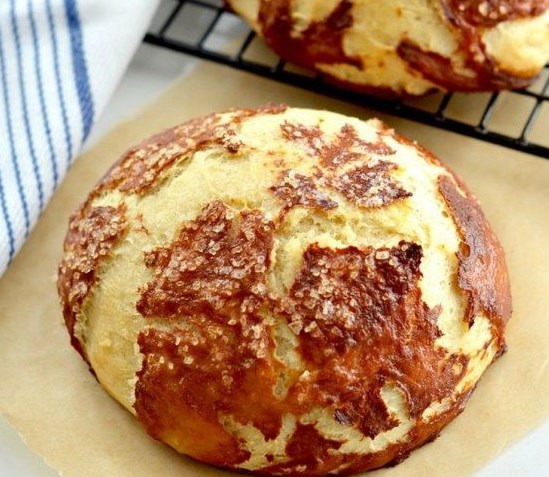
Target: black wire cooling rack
<point>206,29</point>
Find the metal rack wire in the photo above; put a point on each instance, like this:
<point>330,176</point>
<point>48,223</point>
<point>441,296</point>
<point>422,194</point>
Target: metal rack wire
<point>206,29</point>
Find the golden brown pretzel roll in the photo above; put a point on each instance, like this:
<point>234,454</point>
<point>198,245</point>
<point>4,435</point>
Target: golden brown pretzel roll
<point>408,46</point>
<point>285,290</point>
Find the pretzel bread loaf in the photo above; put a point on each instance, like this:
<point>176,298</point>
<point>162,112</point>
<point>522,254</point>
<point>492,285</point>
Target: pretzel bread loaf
<point>397,47</point>
<point>285,291</point>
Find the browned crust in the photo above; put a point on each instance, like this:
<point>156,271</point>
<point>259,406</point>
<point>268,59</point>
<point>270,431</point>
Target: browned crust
<point>347,306</point>
<point>93,232</point>
<point>367,181</point>
<point>209,286</point>
<point>216,259</point>
<point>322,43</point>
<point>346,147</point>
<point>301,461</point>
<point>177,401</point>
<point>418,436</point>
<point>470,19</point>
<point>391,456</point>
<point>298,190</point>
<point>350,304</point>
<point>140,168</point>
<point>482,273</point>
<point>439,70</point>
<point>370,185</point>
<point>488,13</point>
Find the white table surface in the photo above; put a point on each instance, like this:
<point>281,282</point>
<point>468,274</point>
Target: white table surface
<point>150,72</point>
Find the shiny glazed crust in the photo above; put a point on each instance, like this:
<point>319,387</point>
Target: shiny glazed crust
<point>398,47</point>
<point>285,291</point>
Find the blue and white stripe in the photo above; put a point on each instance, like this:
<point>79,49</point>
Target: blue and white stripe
<point>59,63</point>
<point>46,109</point>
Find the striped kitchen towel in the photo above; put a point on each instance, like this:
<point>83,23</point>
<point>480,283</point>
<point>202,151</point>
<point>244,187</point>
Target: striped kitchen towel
<point>60,60</point>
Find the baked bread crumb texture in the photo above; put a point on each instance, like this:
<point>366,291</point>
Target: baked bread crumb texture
<point>408,47</point>
<point>285,291</point>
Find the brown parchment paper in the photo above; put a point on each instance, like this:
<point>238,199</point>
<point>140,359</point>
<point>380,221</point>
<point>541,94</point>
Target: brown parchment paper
<point>51,399</point>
